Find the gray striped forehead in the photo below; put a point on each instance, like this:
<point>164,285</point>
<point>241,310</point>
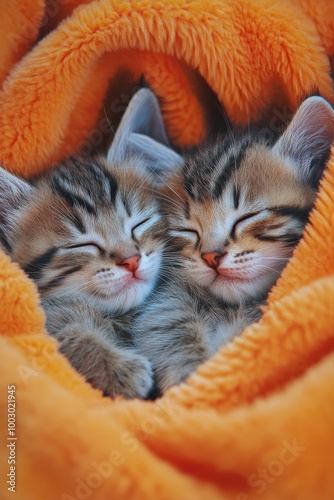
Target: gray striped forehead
<point>207,173</point>
<point>87,185</point>
<point>84,185</point>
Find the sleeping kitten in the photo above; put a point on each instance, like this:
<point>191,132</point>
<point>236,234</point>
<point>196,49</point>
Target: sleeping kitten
<point>90,233</point>
<point>237,209</point>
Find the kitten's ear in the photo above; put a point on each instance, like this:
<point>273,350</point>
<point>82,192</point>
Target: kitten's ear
<point>142,134</point>
<point>13,191</point>
<point>308,138</point>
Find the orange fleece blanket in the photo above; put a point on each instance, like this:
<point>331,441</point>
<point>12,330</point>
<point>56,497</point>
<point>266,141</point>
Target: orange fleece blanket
<point>256,421</point>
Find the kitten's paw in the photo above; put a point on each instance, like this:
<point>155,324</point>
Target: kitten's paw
<point>132,376</point>
<point>113,370</point>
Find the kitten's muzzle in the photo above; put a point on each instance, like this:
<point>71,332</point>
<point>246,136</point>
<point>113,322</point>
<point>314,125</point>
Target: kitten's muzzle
<point>130,263</point>
<point>217,262</point>
<point>213,259</point>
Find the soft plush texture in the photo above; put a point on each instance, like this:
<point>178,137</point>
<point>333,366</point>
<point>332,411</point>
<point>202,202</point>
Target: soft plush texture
<point>256,421</point>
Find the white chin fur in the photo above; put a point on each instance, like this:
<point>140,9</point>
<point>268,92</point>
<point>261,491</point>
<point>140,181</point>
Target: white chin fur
<point>134,294</point>
<point>236,290</point>
<point>243,290</point>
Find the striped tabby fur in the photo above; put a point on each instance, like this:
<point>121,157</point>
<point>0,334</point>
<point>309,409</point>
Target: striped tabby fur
<point>71,231</point>
<point>237,209</point>
<point>90,233</point>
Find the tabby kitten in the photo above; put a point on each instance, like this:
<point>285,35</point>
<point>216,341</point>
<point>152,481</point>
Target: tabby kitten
<point>237,209</point>
<point>90,233</point>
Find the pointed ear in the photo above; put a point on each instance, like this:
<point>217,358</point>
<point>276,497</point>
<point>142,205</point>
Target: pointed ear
<point>13,191</point>
<point>142,134</point>
<point>308,139</point>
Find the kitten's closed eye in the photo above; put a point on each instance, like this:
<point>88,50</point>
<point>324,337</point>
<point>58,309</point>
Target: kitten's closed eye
<point>140,228</point>
<point>191,235</point>
<point>86,246</point>
<point>245,218</point>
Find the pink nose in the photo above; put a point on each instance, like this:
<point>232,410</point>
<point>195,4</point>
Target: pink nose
<point>212,258</point>
<point>131,263</point>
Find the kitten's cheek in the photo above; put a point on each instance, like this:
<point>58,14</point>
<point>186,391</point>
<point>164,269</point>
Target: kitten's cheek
<point>146,274</point>
<point>149,267</point>
<point>203,275</point>
<point>188,253</point>
<point>141,275</point>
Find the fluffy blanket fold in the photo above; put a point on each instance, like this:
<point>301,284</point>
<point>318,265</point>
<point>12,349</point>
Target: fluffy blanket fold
<point>256,421</point>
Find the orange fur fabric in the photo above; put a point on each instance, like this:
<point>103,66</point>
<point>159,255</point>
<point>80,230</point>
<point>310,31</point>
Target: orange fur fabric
<point>256,421</point>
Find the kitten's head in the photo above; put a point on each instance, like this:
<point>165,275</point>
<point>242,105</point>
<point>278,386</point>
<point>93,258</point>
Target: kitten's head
<point>238,207</point>
<point>93,227</point>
